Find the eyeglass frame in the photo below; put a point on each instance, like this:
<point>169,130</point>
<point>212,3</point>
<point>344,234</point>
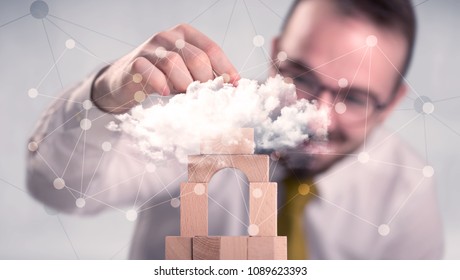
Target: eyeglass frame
<point>318,88</point>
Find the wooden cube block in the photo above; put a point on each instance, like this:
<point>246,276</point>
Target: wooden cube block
<point>238,143</point>
<point>194,209</point>
<point>201,168</point>
<point>263,208</point>
<point>220,247</point>
<point>178,248</point>
<point>267,248</point>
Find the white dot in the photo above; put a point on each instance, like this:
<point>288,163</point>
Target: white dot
<point>175,202</point>
<point>87,104</point>
<point>226,77</point>
<point>139,96</point>
<point>80,202</point>
<point>428,171</point>
<point>33,92</point>
<point>180,44</point>
<point>137,78</point>
<point>106,146</point>
<point>371,41</point>
<point>428,108</point>
<point>258,40</point>
<point>342,82</point>
<point>257,193</point>
<point>150,167</point>
<point>282,56</point>
<point>199,189</point>
<point>58,183</point>
<point>253,229</point>
<point>70,44</point>
<point>275,156</point>
<point>160,52</point>
<point>384,230</point>
<point>85,124</point>
<point>33,146</point>
<point>131,215</point>
<point>340,108</point>
<point>363,157</point>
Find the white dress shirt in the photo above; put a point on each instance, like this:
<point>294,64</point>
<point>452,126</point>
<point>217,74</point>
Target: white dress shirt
<point>384,208</point>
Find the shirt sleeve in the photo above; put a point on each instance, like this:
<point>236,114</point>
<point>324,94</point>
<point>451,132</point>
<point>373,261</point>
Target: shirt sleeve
<point>76,165</point>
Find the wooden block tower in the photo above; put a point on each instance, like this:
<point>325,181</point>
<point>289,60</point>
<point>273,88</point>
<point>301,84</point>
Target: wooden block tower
<point>262,243</point>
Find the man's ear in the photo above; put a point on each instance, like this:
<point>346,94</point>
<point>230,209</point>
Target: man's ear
<point>401,91</point>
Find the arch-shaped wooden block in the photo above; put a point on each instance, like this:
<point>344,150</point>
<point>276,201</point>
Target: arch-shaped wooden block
<point>201,168</point>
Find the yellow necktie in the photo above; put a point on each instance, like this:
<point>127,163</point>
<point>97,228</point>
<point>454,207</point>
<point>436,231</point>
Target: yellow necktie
<point>290,217</point>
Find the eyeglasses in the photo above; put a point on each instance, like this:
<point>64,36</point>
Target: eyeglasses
<point>354,105</point>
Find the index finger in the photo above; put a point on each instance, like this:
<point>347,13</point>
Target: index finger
<point>219,61</point>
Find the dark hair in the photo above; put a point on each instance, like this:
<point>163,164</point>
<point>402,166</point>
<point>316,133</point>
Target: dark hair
<point>396,15</point>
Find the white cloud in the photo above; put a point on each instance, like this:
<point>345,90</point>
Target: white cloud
<point>175,128</point>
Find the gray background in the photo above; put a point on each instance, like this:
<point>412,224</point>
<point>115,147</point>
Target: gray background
<point>111,28</point>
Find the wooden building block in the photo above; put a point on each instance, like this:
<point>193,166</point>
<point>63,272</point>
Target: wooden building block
<point>238,143</point>
<point>201,168</point>
<point>220,247</point>
<point>194,209</point>
<point>263,208</point>
<point>178,248</point>
<point>267,248</point>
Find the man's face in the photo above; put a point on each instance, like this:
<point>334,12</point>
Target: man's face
<point>333,59</point>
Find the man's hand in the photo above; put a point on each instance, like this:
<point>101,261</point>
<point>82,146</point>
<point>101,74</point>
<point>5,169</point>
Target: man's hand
<point>166,63</point>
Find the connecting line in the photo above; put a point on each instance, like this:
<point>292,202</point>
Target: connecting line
<point>139,189</point>
<point>239,180</point>
<point>120,250</point>
<point>270,9</point>
<point>395,165</point>
<point>83,156</point>
<point>51,69</point>
<point>52,53</point>
<point>71,155</point>
<point>16,19</point>
<point>63,31</point>
<point>445,99</point>
<point>367,99</point>
<point>153,206</point>
<point>393,133</point>
<point>94,173</point>
<point>260,65</point>
<point>421,3</point>
<point>250,18</point>
<point>228,23</point>
<point>357,70</point>
<point>92,30</point>
<point>60,98</point>
<point>225,209</point>
<point>426,141</point>
<point>247,60</point>
<point>12,185</point>
<point>315,69</point>
<point>68,238</point>
<point>166,186</point>
<point>204,11</point>
<point>405,201</point>
<point>446,125</point>
<point>116,185</point>
<point>346,211</point>
<point>400,74</point>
